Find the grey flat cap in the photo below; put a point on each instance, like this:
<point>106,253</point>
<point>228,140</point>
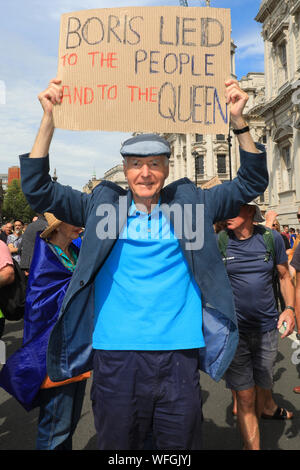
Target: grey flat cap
<point>145,145</point>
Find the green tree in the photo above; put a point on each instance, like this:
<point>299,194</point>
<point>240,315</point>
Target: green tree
<point>15,205</point>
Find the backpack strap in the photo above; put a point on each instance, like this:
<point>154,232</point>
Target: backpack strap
<point>269,242</point>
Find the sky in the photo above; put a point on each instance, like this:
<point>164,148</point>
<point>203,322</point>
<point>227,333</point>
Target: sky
<point>29,35</point>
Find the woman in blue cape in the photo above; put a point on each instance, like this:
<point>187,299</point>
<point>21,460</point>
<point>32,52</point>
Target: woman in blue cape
<point>25,374</point>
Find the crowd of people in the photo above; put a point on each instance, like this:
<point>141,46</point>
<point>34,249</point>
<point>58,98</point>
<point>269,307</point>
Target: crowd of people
<point>146,312</point>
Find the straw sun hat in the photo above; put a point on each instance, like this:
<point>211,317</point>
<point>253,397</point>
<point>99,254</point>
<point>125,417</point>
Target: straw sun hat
<point>53,223</point>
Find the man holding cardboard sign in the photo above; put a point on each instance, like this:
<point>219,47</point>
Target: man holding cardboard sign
<point>149,302</point>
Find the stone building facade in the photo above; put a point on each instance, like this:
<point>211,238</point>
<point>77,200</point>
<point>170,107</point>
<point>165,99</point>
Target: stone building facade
<point>4,179</point>
<point>114,174</point>
<point>281,33</point>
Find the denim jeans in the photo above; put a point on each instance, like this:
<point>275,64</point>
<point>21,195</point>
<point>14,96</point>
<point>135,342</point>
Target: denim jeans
<point>60,410</point>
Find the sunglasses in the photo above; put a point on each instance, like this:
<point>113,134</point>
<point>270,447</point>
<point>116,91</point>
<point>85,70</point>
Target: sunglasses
<point>298,216</point>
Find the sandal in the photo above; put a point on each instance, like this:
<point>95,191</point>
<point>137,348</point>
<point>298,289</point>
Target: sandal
<point>280,413</point>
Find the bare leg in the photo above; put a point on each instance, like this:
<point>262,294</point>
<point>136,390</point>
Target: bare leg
<point>234,407</point>
<point>247,418</point>
<point>262,397</point>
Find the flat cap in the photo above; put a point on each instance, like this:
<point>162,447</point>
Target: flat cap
<point>145,145</point>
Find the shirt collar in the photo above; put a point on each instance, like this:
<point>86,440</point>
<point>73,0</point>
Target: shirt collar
<point>133,211</point>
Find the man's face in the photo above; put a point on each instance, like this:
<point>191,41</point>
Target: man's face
<point>8,229</point>
<point>286,229</point>
<point>18,226</point>
<point>245,215</point>
<point>146,177</point>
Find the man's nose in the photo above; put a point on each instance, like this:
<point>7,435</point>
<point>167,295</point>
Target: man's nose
<point>145,170</point>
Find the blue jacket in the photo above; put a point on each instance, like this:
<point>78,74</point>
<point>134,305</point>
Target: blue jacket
<point>70,344</point>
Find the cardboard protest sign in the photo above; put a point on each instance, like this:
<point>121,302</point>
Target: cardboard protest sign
<point>211,183</point>
<point>156,69</point>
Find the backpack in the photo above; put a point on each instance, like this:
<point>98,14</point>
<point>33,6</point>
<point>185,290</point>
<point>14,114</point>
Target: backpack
<point>268,240</point>
<point>12,296</point>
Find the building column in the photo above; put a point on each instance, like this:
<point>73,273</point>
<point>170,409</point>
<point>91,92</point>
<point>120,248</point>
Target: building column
<point>189,158</point>
<point>296,160</point>
<point>209,164</point>
<point>176,159</point>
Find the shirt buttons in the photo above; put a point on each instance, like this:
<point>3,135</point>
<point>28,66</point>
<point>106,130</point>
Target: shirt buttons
<point>81,283</point>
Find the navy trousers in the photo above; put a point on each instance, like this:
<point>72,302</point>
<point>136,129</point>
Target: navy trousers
<point>137,394</point>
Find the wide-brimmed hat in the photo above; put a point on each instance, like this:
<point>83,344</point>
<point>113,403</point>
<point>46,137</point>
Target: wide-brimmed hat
<point>145,145</point>
<point>53,223</point>
<point>258,215</point>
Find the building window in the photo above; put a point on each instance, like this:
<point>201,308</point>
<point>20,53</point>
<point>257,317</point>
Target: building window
<point>286,168</point>
<point>199,137</point>
<point>220,137</point>
<point>221,163</point>
<point>282,52</point>
<point>199,165</point>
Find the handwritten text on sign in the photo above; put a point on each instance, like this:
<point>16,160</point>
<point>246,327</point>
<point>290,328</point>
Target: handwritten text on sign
<point>159,69</point>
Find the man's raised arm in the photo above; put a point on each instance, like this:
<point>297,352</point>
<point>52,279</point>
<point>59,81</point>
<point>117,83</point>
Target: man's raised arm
<point>48,99</point>
<point>42,194</point>
<point>252,178</point>
<point>237,99</point>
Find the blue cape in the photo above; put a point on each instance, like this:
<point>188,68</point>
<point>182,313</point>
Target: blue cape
<point>25,370</point>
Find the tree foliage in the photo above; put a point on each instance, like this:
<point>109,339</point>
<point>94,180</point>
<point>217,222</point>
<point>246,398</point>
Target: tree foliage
<point>15,205</point>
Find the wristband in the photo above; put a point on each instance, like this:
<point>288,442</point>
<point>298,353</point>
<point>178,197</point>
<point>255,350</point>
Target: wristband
<point>241,131</point>
<point>291,308</point>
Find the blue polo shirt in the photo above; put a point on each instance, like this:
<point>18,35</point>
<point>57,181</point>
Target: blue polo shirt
<point>145,295</point>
